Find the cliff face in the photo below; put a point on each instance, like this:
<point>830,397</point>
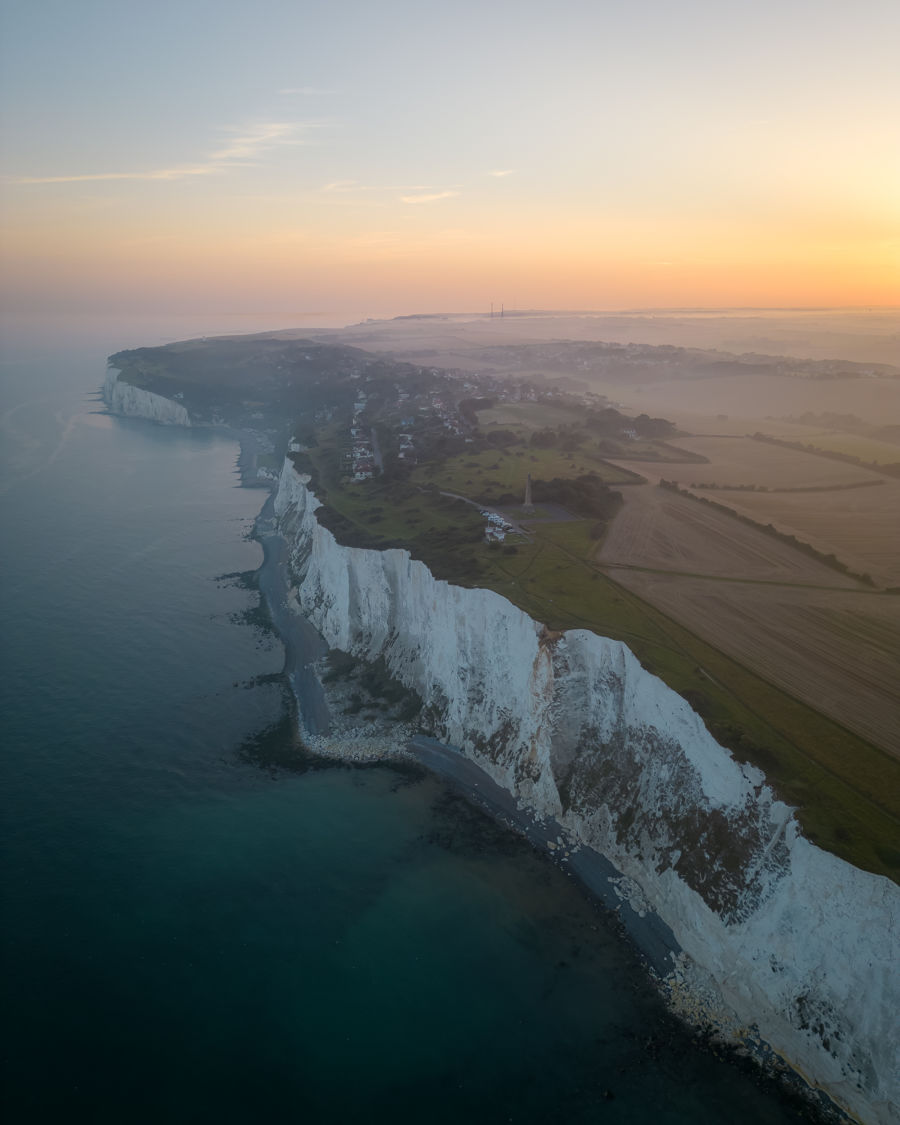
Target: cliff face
<point>779,940</point>
<point>134,402</point>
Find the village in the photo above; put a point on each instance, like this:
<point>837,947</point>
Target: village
<point>415,421</point>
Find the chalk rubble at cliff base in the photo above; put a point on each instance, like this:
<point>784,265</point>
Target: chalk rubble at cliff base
<point>780,943</point>
<point>356,737</point>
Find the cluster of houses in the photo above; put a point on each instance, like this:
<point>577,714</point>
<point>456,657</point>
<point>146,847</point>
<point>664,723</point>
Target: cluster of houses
<point>512,390</point>
<point>407,451</point>
<point>428,411</point>
<point>362,453</point>
<point>446,413</point>
<point>437,408</point>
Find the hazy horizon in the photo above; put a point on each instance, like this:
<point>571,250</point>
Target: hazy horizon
<point>390,159</point>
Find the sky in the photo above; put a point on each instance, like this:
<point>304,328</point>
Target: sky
<point>401,156</point>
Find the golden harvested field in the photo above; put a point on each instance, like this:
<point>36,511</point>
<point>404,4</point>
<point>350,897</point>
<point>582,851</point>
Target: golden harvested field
<point>661,530</point>
<point>838,651</point>
<point>860,525</point>
<point>814,632</point>
<point>736,461</point>
<point>866,448</point>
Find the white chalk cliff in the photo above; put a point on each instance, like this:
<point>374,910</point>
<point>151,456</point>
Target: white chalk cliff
<point>135,402</point>
<point>779,940</point>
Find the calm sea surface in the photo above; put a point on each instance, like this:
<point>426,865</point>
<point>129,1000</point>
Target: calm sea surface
<point>188,937</point>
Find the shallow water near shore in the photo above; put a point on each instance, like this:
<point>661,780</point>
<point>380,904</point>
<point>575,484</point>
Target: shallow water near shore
<point>192,936</point>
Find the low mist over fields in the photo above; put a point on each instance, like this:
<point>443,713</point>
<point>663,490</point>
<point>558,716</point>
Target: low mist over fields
<point>730,515</point>
<point>824,386</point>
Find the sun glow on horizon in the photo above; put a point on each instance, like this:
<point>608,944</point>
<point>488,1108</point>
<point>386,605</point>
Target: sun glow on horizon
<point>714,161</point>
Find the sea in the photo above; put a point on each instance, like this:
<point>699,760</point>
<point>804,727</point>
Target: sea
<point>196,927</point>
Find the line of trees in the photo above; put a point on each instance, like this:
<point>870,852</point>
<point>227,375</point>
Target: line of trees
<point>892,468</point>
<point>769,529</point>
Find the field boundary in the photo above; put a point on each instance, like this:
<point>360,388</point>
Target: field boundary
<point>891,468</point>
<point>830,560</point>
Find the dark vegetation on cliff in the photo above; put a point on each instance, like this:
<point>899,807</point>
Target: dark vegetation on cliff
<point>262,379</point>
<point>448,445</point>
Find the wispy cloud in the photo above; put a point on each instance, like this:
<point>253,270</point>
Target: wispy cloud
<point>343,185</point>
<point>306,91</point>
<point>248,143</point>
<point>243,145</point>
<point>432,197</point>
<point>156,174</point>
<point>502,172</point>
<point>356,186</point>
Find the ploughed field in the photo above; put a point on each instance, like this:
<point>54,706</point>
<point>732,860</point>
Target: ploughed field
<point>839,441</point>
<point>659,529</point>
<point>861,525</point>
<point>736,461</point>
<point>816,633</point>
<point>840,509</point>
<point>838,652</point>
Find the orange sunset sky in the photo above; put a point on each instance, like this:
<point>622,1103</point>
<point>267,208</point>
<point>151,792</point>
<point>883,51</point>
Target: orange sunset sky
<point>406,157</point>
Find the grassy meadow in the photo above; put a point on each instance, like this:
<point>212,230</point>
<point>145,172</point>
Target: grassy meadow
<point>490,474</point>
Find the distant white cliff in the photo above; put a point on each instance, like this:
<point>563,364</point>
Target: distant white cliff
<point>135,402</point>
<point>780,942</point>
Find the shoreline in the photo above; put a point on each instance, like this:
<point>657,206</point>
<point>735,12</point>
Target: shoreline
<point>649,934</point>
<point>304,648</point>
<point>650,937</point>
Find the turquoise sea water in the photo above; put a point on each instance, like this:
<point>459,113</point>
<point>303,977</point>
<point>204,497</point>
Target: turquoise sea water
<point>188,937</point>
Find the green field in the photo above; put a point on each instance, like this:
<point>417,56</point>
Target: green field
<point>490,474</point>
<point>445,533</point>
